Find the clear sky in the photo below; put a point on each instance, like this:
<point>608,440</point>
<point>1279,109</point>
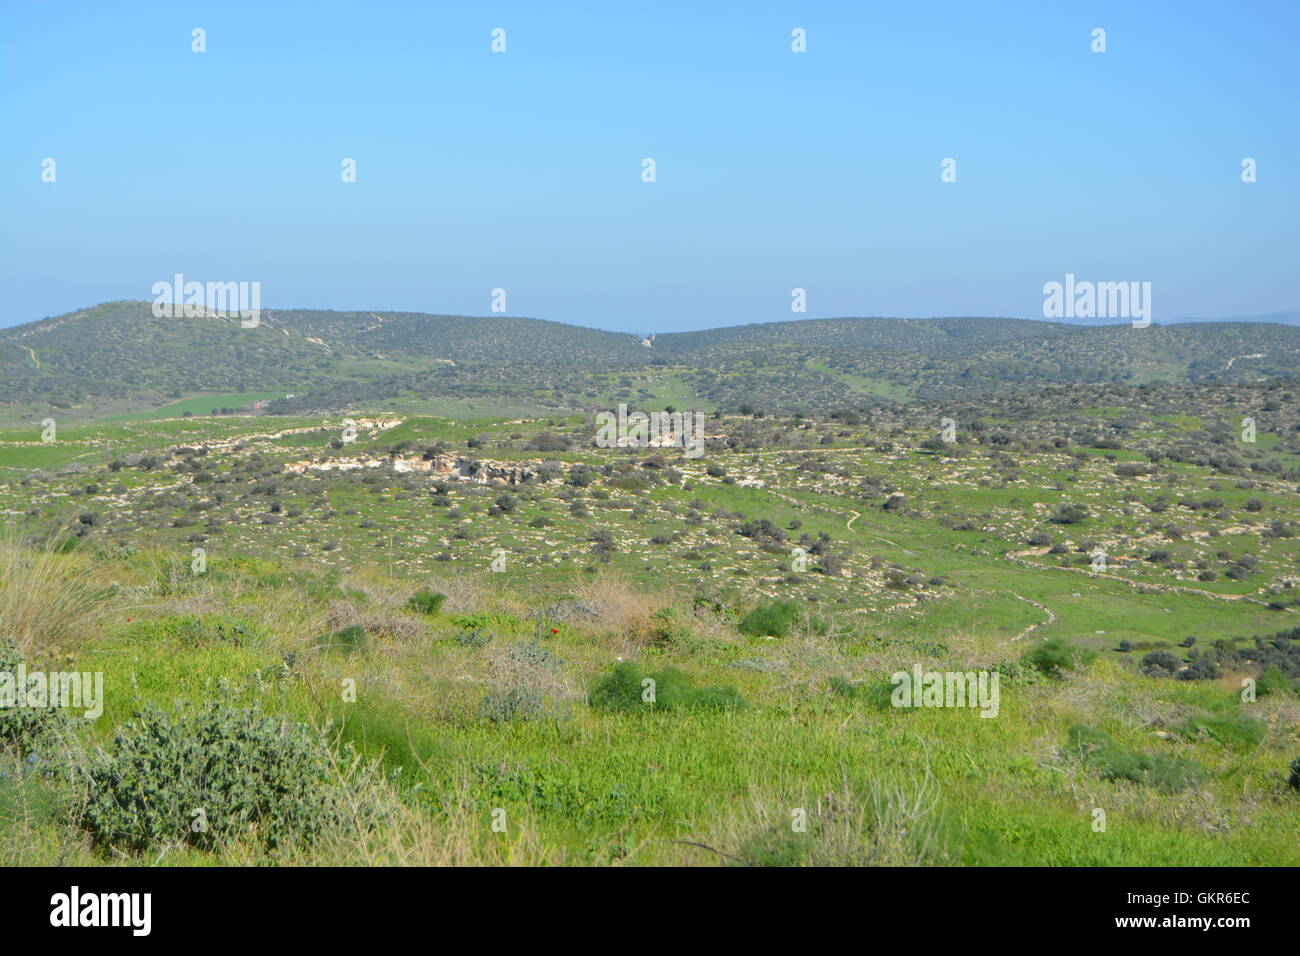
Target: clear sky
<point>775,170</point>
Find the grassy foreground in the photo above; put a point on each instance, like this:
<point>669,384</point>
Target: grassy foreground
<point>482,727</point>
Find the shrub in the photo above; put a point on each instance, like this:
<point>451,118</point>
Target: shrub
<point>511,704</point>
<point>1068,514</point>
<point>1055,655</point>
<point>1294,780</point>
<point>878,693</point>
<point>346,639</point>
<point>773,618</point>
<point>470,637</point>
<point>250,775</point>
<point>1158,771</point>
<point>548,441</point>
<point>1236,733</point>
<point>624,690</point>
<point>22,725</point>
<point>1160,664</point>
<point>426,601</point>
<point>532,654</point>
<point>1085,741</point>
<point>1272,681</point>
<point>1201,668</point>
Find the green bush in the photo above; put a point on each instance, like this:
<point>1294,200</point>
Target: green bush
<point>1236,733</point>
<point>1294,780</point>
<point>667,631</point>
<point>426,601</point>
<point>511,704</point>
<point>474,638</point>
<point>773,618</point>
<point>775,846</point>
<point>622,691</point>
<point>251,776</point>
<point>1084,741</point>
<point>23,726</point>
<point>346,639</point>
<point>877,693</point>
<point>533,654</point>
<point>1160,664</point>
<point>1158,771</point>
<point>1055,655</point>
<point>1272,681</point>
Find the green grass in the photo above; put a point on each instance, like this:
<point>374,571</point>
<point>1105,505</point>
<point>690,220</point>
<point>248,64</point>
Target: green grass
<point>196,405</point>
<point>309,579</point>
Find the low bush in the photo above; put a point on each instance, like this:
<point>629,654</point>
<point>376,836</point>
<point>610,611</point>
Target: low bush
<point>1160,664</point>
<point>877,693</point>
<point>1272,681</point>
<point>426,601</point>
<point>207,776</point>
<point>773,618</point>
<point>1238,732</point>
<point>1113,762</point>
<point>21,726</point>
<point>347,640</point>
<point>511,704</point>
<point>1053,656</point>
<point>627,688</point>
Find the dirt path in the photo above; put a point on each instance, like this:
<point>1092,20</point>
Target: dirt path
<point>1051,617</point>
<point>1017,557</point>
<point>32,352</point>
<point>1235,357</point>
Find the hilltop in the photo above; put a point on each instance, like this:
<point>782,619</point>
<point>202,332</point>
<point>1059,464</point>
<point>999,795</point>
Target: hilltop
<point>119,358</point>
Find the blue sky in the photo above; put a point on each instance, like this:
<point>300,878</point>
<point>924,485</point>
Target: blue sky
<point>775,170</point>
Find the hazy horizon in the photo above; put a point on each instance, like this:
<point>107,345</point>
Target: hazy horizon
<point>1282,318</point>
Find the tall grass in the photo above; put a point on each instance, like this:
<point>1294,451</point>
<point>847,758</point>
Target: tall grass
<point>49,600</point>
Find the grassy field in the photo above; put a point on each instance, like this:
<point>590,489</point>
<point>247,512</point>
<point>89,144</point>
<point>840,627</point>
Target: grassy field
<point>197,405</point>
<point>280,562</point>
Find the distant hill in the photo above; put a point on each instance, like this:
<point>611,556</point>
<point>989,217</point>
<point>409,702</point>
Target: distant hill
<point>897,335</point>
<point>118,356</point>
<point>497,338</point>
<point>1281,318</point>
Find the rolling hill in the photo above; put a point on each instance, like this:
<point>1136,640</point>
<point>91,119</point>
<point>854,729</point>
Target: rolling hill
<point>118,358</point>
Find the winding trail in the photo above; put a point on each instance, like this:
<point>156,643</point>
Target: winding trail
<point>1146,587</point>
<point>1235,357</point>
<point>1051,617</point>
<point>822,509</point>
<point>32,352</point>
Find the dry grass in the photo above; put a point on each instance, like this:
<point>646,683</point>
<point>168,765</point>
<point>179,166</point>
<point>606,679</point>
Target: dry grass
<point>49,601</point>
<point>465,593</point>
<point>381,829</point>
<point>617,607</point>
<point>874,821</point>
